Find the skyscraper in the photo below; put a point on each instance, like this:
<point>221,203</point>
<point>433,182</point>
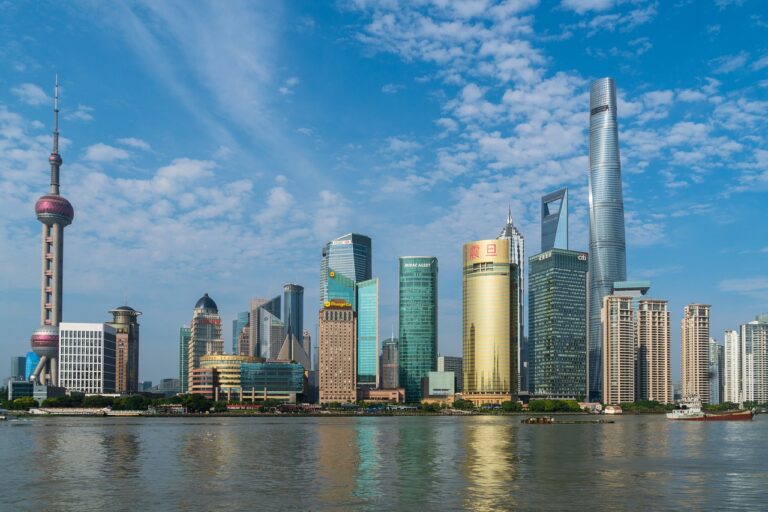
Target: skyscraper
<point>695,360</point>
<point>349,255</point>
<point>338,353</point>
<point>390,373</point>
<point>125,321</point>
<point>715,371</point>
<point>618,328</point>
<point>240,326</point>
<point>55,213</point>
<point>490,329</point>
<point>292,348</point>
<point>554,220</point>
<point>87,357</point>
<point>266,330</point>
<point>18,367</point>
<point>205,335</point>
<point>654,379</point>
<point>185,333</point>
<point>452,364</point>
<point>557,324</point>
<point>517,260</point>
<point>607,246</point>
<point>368,333</point>
<point>732,389</point>
<point>417,342</point>
<point>754,340</point>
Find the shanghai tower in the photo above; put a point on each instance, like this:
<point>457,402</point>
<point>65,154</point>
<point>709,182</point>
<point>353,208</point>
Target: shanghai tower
<point>55,213</point>
<point>607,246</point>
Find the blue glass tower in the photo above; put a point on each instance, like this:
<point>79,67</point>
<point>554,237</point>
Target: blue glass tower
<point>238,324</point>
<point>293,311</point>
<point>607,245</point>
<point>368,332</point>
<point>349,255</point>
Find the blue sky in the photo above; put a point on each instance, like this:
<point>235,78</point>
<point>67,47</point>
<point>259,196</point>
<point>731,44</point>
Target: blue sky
<point>214,147</point>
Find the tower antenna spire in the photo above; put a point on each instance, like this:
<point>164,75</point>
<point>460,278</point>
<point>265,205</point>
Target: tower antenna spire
<point>55,158</point>
<point>509,214</point>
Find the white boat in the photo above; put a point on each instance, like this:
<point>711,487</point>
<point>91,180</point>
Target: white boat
<point>688,408</point>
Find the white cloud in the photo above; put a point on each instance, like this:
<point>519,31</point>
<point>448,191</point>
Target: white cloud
<point>104,153</point>
<point>392,88</point>
<point>31,94</point>
<point>582,6</point>
<point>760,63</point>
<point>135,143</point>
<point>289,85</point>
<point>729,63</point>
<point>81,113</point>
<point>400,145</point>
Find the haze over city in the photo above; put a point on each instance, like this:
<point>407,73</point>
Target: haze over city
<point>212,150</point>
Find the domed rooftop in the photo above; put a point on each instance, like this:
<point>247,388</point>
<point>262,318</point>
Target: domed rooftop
<point>206,302</point>
<point>125,308</point>
<point>51,209</point>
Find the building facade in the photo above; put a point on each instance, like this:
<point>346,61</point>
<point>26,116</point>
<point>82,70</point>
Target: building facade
<point>239,328</point>
<point>18,367</point>
<point>417,306</point>
<point>349,255</point>
<point>557,324</point>
<point>754,339</point>
<point>87,353</point>
<point>695,351</point>
<point>338,353</point>
<point>452,364</point>
<point>732,388</point>
<point>205,333</point>
<point>125,321</point>
<point>368,333</point>
<point>185,333</point>
<point>267,331</point>
<point>654,377</point>
<point>618,328</point>
<point>490,330</point>
<point>517,262</point>
<point>607,245</point>
<point>716,363</point>
<point>227,368</point>
<point>292,348</point>
<point>271,379</point>
<point>55,213</point>
<point>554,220</point>
<point>390,372</point>
<point>31,363</point>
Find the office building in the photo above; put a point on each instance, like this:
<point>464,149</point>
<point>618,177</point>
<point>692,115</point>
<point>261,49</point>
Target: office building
<point>240,333</point>
<point>227,368</point>
<point>18,367</point>
<point>349,255</point>
<point>87,356</point>
<point>554,220</point>
<point>204,381</point>
<point>654,378</point>
<point>618,328</point>
<point>368,333</point>
<point>272,380</point>
<point>417,340</point>
<point>185,333</point>
<point>267,330</point>
<point>338,353</point>
<point>695,351</point>
<point>716,363</point>
<point>438,385</point>
<point>125,321</point>
<point>55,213</point>
<point>292,348</point>
<point>390,370</point>
<point>205,333</point>
<point>306,342</point>
<point>607,245</point>
<point>517,261</point>
<point>490,331</point>
<point>452,364</point>
<point>30,365</point>
<point>754,340</point>
<point>732,387</point>
<point>557,324</point>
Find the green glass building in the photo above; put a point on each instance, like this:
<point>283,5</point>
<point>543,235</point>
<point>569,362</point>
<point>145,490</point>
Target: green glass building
<point>557,323</point>
<point>418,322</point>
<point>368,333</point>
<point>185,333</point>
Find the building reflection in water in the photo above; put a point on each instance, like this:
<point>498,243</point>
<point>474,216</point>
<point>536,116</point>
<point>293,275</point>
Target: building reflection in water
<point>338,459</point>
<point>490,464</point>
<point>370,449</point>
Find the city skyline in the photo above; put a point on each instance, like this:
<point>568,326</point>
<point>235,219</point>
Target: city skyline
<point>190,218</point>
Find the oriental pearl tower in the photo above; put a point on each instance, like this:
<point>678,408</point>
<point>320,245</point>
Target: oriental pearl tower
<point>55,213</point>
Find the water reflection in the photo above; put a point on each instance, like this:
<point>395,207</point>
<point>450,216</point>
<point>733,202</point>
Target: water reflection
<point>490,464</point>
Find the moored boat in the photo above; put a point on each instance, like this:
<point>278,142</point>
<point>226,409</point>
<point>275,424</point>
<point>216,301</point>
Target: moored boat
<point>689,409</point>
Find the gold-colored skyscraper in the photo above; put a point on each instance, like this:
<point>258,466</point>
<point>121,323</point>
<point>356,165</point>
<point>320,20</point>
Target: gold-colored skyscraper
<point>490,306</point>
<point>618,330</point>
<point>654,378</point>
<point>338,352</point>
<point>695,342</point>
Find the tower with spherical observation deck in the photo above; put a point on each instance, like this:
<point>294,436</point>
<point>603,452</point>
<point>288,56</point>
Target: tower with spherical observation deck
<point>55,213</point>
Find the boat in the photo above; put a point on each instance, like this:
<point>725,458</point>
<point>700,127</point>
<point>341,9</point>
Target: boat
<point>689,409</point>
<point>613,409</point>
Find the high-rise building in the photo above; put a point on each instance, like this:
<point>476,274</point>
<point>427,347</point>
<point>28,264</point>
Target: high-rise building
<point>239,328</point>
<point>349,255</point>
<point>732,388</point>
<point>390,373</point>
<point>18,367</point>
<point>557,324</point>
<point>695,360</point>
<point>452,364</point>
<point>185,333</point>
<point>55,213</point>
<point>554,220</point>
<point>227,368</point>
<point>607,246</point>
<point>368,333</point>
<point>272,379</point>
<point>716,363</point>
<point>754,342</point>
<point>266,330</point>
<point>417,341</point>
<point>125,321</point>
<point>292,348</point>
<point>306,342</point>
<point>338,352</point>
<point>517,261</point>
<point>618,328</point>
<point>87,354</point>
<point>490,330</point>
<point>205,335</point>
<point>654,378</point>
<point>31,364</point>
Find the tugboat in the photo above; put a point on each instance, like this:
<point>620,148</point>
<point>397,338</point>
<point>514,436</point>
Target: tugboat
<point>689,409</point>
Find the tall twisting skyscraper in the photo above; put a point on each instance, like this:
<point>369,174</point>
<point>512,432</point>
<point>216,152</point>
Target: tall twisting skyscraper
<point>56,213</point>
<point>516,260</point>
<point>607,246</point>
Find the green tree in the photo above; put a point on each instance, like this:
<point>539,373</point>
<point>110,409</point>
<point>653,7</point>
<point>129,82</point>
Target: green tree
<point>463,405</point>
<point>511,406</point>
<point>98,401</point>
<point>220,406</point>
<point>23,403</point>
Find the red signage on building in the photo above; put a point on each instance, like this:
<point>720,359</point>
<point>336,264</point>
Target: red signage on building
<point>490,250</point>
<point>474,251</point>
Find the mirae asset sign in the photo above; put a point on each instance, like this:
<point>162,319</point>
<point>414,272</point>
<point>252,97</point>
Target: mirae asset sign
<point>409,265</point>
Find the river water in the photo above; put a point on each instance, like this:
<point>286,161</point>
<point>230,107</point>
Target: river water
<point>381,463</point>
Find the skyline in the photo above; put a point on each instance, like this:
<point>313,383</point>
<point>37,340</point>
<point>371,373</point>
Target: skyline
<point>145,154</point>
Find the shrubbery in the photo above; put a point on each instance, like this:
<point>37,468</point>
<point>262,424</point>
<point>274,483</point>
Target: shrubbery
<point>554,406</point>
